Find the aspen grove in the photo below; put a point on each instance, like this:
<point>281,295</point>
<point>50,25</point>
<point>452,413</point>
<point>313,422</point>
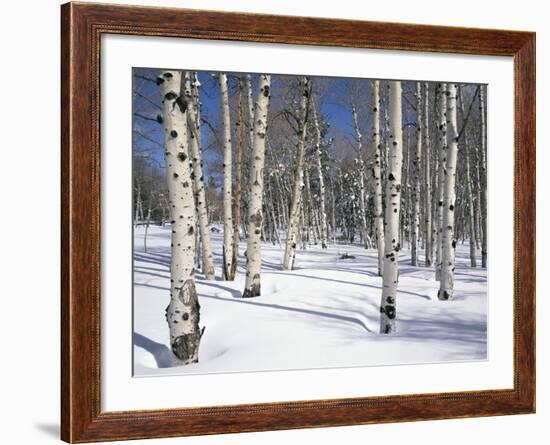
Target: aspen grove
<point>342,217</point>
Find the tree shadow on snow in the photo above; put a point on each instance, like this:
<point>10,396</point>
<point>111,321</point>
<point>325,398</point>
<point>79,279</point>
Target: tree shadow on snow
<point>400,291</point>
<point>290,309</point>
<point>160,260</point>
<point>160,352</point>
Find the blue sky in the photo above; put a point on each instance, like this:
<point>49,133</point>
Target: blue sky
<point>335,108</point>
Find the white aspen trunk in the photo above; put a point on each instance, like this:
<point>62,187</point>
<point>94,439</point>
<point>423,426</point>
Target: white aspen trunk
<point>446,283</point>
<point>250,110</point>
<point>471,214</point>
<point>477,199</point>
<point>294,223</point>
<point>255,217</point>
<point>416,179</point>
<point>182,314</point>
<point>377,177</point>
<point>427,182</point>
<point>406,180</point>
<point>139,207</point>
<point>227,183</point>
<point>393,202</point>
<point>271,209</point>
<point>469,189</point>
<point>197,176</point>
<point>147,222</point>
<point>310,226</point>
<point>324,229</point>
<point>238,177</point>
<point>442,160</point>
<point>483,176</point>
<point>362,209</point>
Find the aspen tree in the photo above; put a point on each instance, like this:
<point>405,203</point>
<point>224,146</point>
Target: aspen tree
<point>227,183</point>
<point>319,164</point>
<point>200,194</point>
<point>294,222</point>
<point>182,314</point>
<point>256,181</point>
<point>362,208</point>
<point>469,187</point>
<point>393,203</point>
<point>446,283</point>
<point>238,177</point>
<point>427,181</point>
<point>442,160</point>
<point>483,173</point>
<point>376,175</point>
<point>416,178</point>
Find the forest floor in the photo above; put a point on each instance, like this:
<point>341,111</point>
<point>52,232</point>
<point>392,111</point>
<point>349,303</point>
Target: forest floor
<point>325,313</point>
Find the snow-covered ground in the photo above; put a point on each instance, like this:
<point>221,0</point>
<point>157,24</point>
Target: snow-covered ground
<point>325,313</point>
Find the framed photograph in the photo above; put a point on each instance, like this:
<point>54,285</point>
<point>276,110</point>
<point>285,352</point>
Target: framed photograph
<point>274,222</point>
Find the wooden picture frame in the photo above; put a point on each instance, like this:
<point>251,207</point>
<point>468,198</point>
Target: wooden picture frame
<point>82,26</point>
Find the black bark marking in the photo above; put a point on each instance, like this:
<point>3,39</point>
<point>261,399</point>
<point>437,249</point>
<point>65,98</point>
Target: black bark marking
<point>182,156</point>
<point>170,95</point>
<point>174,133</point>
<point>256,219</point>
<point>181,103</point>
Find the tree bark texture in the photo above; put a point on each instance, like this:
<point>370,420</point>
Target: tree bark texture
<point>297,188</point>
<point>377,177</point>
<point>446,283</point>
<point>200,193</point>
<point>227,183</point>
<point>393,202</point>
<point>256,181</point>
<point>182,314</point>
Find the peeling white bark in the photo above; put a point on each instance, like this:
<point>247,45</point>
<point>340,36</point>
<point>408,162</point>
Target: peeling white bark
<point>393,203</point>
<point>182,314</point>
<point>449,196</point>
<point>255,216</point>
